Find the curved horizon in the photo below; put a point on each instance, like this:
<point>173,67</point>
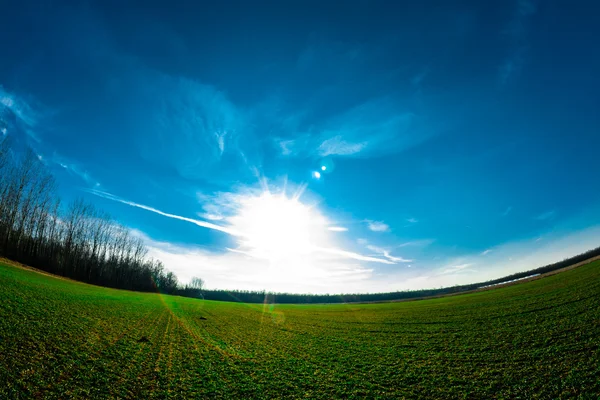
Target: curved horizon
<point>298,148</point>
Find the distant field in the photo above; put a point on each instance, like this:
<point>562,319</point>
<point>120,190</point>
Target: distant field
<point>62,339</point>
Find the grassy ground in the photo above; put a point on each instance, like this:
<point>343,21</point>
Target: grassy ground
<point>62,339</point>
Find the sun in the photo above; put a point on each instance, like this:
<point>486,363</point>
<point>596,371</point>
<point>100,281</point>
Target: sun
<point>274,226</point>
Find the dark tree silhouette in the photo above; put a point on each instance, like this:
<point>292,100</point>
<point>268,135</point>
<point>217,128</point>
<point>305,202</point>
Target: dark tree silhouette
<point>81,242</point>
<point>85,244</point>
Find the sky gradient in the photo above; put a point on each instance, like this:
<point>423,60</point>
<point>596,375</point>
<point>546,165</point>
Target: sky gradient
<point>427,143</point>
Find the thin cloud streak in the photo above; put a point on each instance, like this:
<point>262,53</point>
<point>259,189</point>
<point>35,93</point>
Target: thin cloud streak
<point>233,232</point>
<point>386,254</point>
<point>546,216</point>
<point>198,222</point>
<point>352,255</point>
<point>416,243</point>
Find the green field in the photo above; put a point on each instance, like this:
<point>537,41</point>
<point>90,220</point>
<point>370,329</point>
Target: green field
<point>62,339</point>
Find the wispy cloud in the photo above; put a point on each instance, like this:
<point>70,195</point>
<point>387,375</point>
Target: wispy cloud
<point>337,229</point>
<point>377,226</point>
<point>485,252</point>
<point>511,66</point>
<point>417,243</point>
<point>516,31</point>
<point>329,273</point>
<point>507,211</point>
<point>26,116</point>
<point>453,269</point>
<point>353,255</point>
<point>339,147</point>
<point>420,77</point>
<point>18,106</point>
<point>411,222</point>
<point>187,125</point>
<point>548,215</point>
<point>211,217</point>
<point>386,253</point>
<point>237,225</point>
<point>203,224</point>
<point>234,270</point>
<point>285,146</point>
<point>75,169</point>
<point>375,127</point>
<point>519,23</point>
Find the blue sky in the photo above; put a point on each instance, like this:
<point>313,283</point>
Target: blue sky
<point>459,139</point>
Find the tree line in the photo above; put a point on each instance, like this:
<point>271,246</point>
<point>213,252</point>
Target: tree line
<point>80,242</point>
<point>248,296</point>
<point>77,241</point>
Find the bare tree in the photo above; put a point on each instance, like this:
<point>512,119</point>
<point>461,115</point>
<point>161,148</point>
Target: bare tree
<point>82,242</point>
<point>197,283</point>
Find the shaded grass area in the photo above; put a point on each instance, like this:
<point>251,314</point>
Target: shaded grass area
<point>63,339</point>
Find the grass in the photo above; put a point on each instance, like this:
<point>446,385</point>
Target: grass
<point>63,339</point>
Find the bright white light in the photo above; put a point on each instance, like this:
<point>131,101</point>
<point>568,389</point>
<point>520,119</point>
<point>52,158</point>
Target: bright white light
<point>323,168</point>
<point>276,227</point>
<point>317,174</point>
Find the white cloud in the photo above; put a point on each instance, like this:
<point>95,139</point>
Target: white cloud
<point>417,243</point>
<point>455,268</point>
<point>211,217</point>
<point>331,272</point>
<point>269,226</point>
<point>221,141</point>
<point>327,273</point>
<point>203,224</point>
<point>286,146</point>
<point>7,101</point>
<point>339,147</point>
<point>378,226</point>
<point>488,251</point>
<point>386,253</point>
<point>412,220</point>
<point>352,255</point>
<point>337,229</point>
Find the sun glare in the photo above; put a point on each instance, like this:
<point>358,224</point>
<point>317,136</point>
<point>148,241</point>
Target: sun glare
<point>274,226</point>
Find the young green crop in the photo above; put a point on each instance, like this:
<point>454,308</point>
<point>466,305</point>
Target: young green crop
<point>63,339</point>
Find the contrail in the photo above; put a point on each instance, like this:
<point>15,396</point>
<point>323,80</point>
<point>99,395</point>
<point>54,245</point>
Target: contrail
<point>204,224</point>
<point>352,255</point>
<point>233,232</point>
